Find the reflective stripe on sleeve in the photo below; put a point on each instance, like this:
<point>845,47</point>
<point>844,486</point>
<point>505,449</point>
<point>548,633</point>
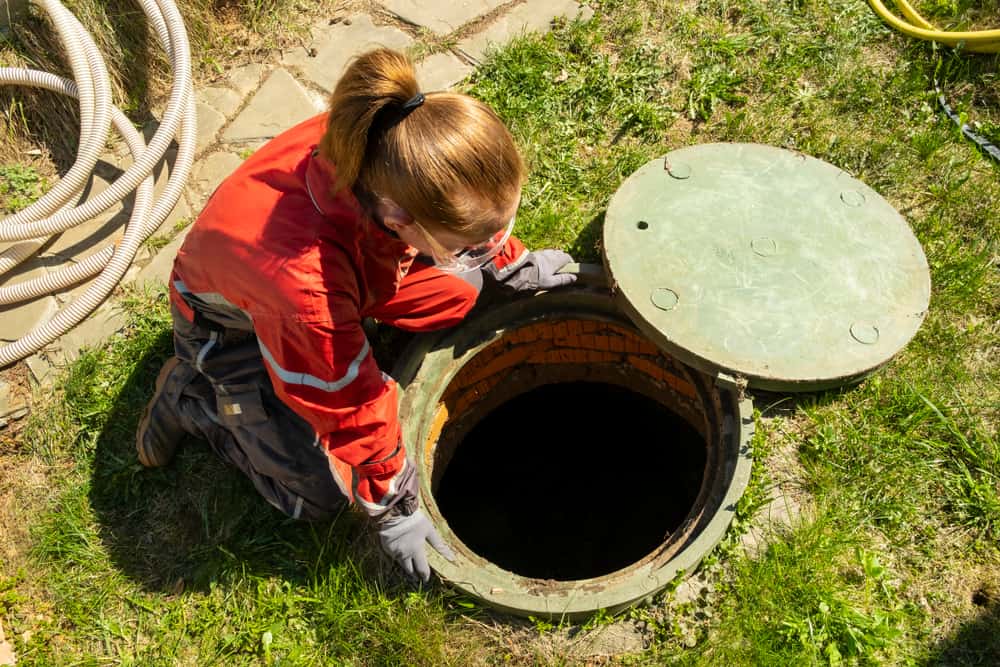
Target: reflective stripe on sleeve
<point>387,498</point>
<point>294,377</point>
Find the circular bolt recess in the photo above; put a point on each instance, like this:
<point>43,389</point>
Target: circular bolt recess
<point>852,198</point>
<point>866,334</point>
<point>679,170</point>
<point>664,299</point>
<point>764,246</point>
<point>642,224</point>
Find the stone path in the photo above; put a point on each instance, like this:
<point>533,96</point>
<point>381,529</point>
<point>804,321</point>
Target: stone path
<point>247,107</point>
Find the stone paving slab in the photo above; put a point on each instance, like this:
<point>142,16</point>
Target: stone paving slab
<point>181,213</point>
<point>210,122</point>
<point>782,512</point>
<point>532,16</point>
<point>97,328</point>
<point>214,105</point>
<point>439,17</point>
<point>13,404</point>
<point>246,78</point>
<point>324,59</point>
<point>441,71</point>
<point>20,318</point>
<point>93,234</point>
<point>223,100</point>
<point>280,103</point>
<point>158,270</point>
<point>40,367</point>
<point>209,171</point>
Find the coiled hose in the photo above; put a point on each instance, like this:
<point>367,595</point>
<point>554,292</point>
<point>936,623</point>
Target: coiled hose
<point>915,25</point>
<point>55,212</point>
<point>982,41</point>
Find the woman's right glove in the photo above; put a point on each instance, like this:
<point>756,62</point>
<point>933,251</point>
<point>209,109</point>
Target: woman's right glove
<point>403,537</point>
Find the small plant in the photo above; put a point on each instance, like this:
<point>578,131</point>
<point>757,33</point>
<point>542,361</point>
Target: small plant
<point>942,7</point>
<point>837,630</point>
<point>926,143</point>
<point>181,224</point>
<point>542,625</point>
<point>20,186</point>
<point>710,86</point>
<point>600,618</point>
<point>156,243</point>
<point>988,129</point>
<point>9,596</point>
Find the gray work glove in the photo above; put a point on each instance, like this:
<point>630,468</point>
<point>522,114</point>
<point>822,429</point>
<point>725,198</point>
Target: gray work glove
<point>403,536</point>
<point>538,271</point>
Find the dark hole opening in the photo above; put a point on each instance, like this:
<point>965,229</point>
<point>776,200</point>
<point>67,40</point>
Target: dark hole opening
<point>572,481</point>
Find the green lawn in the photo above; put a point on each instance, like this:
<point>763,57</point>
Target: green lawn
<point>895,558</point>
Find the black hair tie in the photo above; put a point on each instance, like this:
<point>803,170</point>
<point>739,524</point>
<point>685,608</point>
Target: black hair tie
<point>412,103</point>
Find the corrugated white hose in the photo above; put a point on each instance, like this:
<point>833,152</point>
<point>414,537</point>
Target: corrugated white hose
<point>154,151</point>
<point>96,262</point>
<point>95,110</point>
<point>178,120</point>
<point>96,96</point>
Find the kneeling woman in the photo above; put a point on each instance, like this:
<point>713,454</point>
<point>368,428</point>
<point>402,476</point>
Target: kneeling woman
<point>391,206</point>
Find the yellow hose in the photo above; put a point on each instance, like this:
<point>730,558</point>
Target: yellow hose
<point>981,41</point>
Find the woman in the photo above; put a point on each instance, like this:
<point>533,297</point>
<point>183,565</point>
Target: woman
<point>392,206</point>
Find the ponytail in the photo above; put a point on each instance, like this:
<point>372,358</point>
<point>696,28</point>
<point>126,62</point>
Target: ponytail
<point>374,81</point>
<point>446,158</point>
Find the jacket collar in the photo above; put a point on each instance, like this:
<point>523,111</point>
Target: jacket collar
<point>320,173</point>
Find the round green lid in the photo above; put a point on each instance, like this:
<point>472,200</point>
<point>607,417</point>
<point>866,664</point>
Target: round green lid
<point>765,264</point>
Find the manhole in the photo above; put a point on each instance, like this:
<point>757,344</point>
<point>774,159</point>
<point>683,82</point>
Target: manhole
<point>571,464</point>
<point>490,488</point>
<point>579,450</point>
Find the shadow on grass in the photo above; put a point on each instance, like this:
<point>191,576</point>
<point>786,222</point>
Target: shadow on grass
<point>586,246</point>
<point>196,521</point>
<point>976,642</point>
<point>789,404</point>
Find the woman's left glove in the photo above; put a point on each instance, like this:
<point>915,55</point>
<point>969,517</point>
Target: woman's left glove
<point>539,271</point>
<point>403,537</point>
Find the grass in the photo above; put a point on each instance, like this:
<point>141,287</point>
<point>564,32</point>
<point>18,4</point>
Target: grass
<point>813,617</point>
<point>895,557</point>
<point>182,564</point>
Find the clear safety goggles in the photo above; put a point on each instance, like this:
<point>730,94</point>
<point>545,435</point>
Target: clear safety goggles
<point>468,258</point>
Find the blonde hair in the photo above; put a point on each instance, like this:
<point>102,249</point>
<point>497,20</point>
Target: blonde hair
<point>450,162</point>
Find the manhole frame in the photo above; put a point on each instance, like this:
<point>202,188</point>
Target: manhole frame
<point>424,373</point>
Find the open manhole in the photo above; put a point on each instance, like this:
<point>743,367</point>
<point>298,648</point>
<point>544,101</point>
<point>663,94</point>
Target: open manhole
<point>582,448</point>
<point>490,491</point>
<point>571,465</point>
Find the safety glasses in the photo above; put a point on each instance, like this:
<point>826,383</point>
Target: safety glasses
<point>468,258</point>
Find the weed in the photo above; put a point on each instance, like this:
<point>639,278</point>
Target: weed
<point>20,186</point>
<point>180,225</point>
<point>600,618</point>
<point>155,243</point>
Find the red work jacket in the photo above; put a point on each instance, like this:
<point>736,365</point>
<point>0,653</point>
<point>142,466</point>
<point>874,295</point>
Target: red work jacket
<point>306,265</point>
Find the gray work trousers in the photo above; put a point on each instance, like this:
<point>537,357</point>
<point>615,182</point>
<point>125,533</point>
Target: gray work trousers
<point>222,393</point>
